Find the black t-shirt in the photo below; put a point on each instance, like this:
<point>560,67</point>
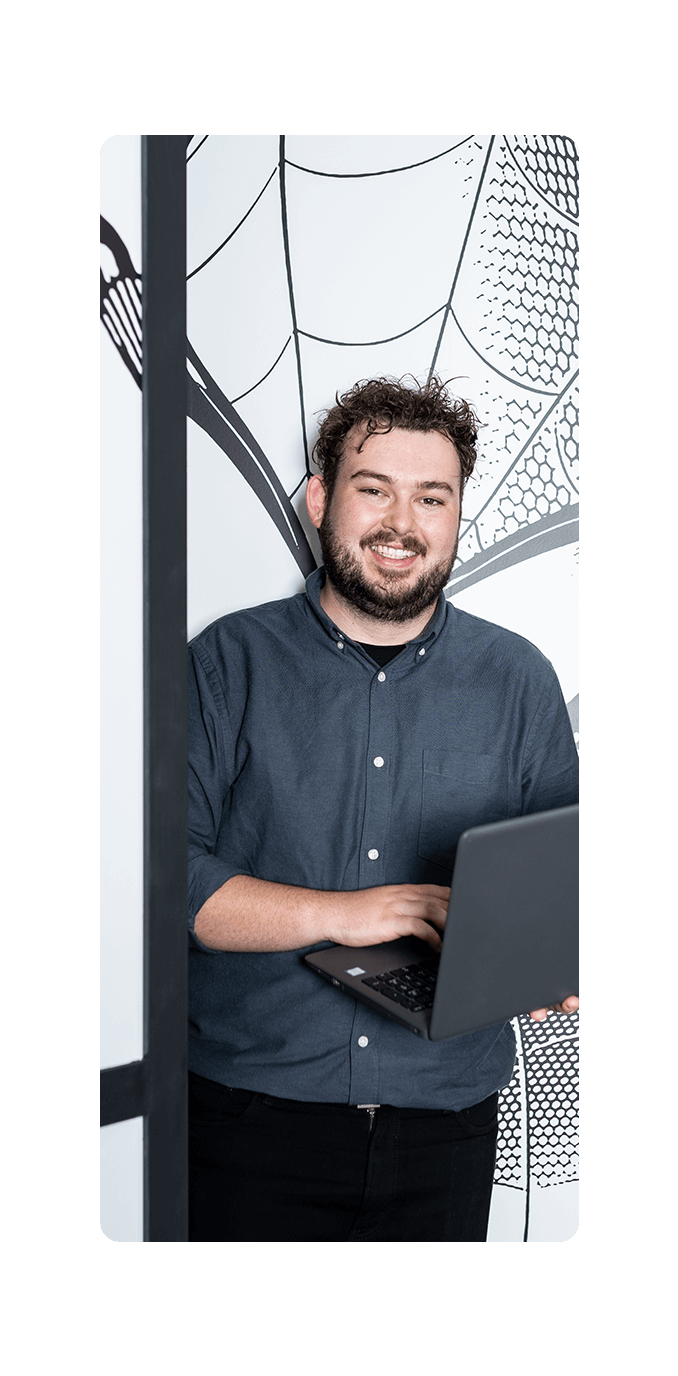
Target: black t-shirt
<point>381,654</point>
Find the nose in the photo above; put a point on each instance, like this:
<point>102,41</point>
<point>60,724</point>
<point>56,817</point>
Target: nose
<point>400,518</point>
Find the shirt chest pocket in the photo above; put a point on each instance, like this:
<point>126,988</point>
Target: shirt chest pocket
<point>459,791</point>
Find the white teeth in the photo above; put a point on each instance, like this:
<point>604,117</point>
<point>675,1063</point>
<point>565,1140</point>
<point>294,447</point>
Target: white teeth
<point>389,553</point>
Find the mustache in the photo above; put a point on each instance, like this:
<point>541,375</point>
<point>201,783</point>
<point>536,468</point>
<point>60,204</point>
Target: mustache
<point>385,537</point>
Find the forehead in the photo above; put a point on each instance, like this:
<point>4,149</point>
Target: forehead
<point>410,456</point>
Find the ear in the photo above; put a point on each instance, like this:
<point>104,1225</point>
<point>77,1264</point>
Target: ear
<point>316,499</point>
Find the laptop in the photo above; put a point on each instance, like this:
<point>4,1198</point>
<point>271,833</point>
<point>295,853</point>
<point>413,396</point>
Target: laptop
<point>510,943</point>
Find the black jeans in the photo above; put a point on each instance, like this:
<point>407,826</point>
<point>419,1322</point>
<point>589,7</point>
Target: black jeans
<point>277,1170</point>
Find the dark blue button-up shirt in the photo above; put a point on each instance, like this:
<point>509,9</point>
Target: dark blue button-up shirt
<point>311,766</point>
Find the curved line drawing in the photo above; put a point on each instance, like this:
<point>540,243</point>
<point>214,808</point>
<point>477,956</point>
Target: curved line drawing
<point>290,289</point>
<point>119,319</point>
<point>486,361</point>
<point>368,343</point>
<point>233,231</point>
<point>550,532</point>
<point>198,145</point>
<point>461,255</point>
<point>215,414</point>
<point>530,440</point>
<point>385,171</point>
<point>568,479</point>
<point>263,379</point>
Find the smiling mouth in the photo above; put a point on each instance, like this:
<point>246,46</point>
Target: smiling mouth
<point>390,552</point>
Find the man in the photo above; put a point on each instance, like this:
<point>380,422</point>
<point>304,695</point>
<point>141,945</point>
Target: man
<point>341,741</point>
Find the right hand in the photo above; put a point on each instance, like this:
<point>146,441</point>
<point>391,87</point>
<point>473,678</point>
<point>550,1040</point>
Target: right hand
<point>366,917</point>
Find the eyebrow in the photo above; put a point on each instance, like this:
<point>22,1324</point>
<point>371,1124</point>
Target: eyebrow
<point>420,487</point>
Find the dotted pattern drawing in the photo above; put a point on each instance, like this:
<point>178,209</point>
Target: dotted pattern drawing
<point>538,1111</point>
<point>523,271</point>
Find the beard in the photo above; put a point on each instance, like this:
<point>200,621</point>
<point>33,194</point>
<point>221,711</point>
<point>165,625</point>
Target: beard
<point>394,602</point>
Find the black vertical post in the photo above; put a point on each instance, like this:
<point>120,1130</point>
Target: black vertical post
<point>165,805</point>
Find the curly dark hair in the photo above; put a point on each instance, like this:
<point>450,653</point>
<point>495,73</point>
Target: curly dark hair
<point>386,403</point>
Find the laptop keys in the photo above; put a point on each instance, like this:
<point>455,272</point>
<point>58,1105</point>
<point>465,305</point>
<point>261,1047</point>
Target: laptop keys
<point>410,986</point>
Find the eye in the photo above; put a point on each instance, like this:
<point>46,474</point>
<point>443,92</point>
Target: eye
<point>431,501</point>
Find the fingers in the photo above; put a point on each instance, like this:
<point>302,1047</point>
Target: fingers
<point>438,916</point>
<point>370,916</point>
<point>428,901</point>
<point>425,913</point>
<point>569,1005</point>
<point>437,891</point>
<point>428,934</point>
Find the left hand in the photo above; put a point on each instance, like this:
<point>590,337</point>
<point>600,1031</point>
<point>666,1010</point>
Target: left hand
<point>569,1005</point>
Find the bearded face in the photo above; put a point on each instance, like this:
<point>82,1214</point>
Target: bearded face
<point>388,595</point>
<point>389,530</point>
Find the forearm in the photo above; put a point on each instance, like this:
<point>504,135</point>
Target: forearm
<point>249,914</point>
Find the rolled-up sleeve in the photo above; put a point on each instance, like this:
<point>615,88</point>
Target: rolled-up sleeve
<point>210,776</point>
<point>550,773</point>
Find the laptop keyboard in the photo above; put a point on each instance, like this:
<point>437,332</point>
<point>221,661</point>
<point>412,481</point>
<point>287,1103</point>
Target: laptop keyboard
<point>412,986</point>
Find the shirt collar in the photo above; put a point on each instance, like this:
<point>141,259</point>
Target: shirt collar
<point>314,585</point>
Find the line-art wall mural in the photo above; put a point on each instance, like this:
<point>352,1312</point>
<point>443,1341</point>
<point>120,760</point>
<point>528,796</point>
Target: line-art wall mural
<point>314,261</point>
<point>120,299</point>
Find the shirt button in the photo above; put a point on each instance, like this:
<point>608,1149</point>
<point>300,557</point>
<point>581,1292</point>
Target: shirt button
<point>378,761</point>
<point>373,854</point>
<point>340,644</point>
<point>382,677</point>
<point>422,651</point>
<point>363,1041</point>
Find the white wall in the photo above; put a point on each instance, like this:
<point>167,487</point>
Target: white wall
<point>121,710</point>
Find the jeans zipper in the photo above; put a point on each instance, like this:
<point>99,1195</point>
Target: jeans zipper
<point>371,1109</point>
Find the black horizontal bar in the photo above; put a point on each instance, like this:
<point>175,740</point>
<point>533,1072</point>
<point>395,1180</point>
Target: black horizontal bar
<point>123,1092</point>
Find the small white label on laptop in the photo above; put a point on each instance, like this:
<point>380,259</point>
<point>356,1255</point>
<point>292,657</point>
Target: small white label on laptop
<point>355,971</point>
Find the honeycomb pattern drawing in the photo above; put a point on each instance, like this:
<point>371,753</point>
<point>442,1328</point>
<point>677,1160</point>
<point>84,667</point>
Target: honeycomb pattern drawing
<point>549,1052</point>
<point>550,162</point>
<point>533,489</point>
<point>541,482</point>
<point>510,1166</point>
<point>523,277</point>
<point>552,1113</point>
<point>529,285</point>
